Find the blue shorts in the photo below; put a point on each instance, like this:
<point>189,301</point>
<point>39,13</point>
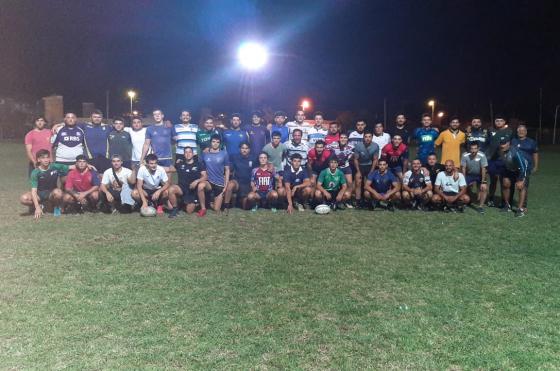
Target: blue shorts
<point>471,179</point>
<point>396,170</point>
<point>496,167</point>
<point>165,163</point>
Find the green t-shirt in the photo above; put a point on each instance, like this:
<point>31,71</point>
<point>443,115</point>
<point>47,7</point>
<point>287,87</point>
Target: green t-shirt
<point>47,180</point>
<point>332,181</point>
<point>275,155</point>
<point>204,137</point>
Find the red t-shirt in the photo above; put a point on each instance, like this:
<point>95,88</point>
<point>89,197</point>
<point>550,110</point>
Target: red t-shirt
<point>332,138</point>
<point>394,156</point>
<point>81,182</point>
<point>39,139</point>
<point>318,163</point>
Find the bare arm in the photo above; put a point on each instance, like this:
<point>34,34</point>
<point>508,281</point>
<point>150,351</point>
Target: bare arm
<point>535,161</point>
<point>145,148</point>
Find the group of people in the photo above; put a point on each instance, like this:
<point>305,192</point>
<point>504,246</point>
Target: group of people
<point>295,165</point>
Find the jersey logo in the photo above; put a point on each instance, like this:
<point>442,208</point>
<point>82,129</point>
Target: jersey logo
<point>426,138</point>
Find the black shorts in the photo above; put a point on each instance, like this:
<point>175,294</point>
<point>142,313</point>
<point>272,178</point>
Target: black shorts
<point>243,190</point>
<point>150,193</point>
<point>514,177</point>
<point>365,170</point>
<point>101,164</point>
<point>44,195</point>
<point>496,167</point>
<point>216,190</point>
<point>190,196</point>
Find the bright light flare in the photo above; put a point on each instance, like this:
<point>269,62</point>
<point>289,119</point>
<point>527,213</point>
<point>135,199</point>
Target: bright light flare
<point>440,114</point>
<point>252,56</point>
<point>305,104</point>
<point>432,103</point>
<point>131,94</point>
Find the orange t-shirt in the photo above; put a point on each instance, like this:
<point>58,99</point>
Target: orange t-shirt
<point>451,146</point>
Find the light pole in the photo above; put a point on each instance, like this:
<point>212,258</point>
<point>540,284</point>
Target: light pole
<point>432,103</point>
<point>305,104</point>
<point>131,94</point>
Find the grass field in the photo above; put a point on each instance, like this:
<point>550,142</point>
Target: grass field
<point>349,290</point>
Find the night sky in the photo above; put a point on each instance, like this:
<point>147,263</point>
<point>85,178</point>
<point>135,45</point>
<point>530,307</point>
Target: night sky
<point>345,55</point>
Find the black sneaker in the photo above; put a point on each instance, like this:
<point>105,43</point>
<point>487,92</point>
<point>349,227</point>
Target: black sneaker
<point>519,213</point>
<point>480,210</point>
<point>173,213</point>
<point>340,206</point>
<point>490,203</point>
<point>333,206</point>
<point>446,209</point>
<point>391,207</point>
<point>461,209</point>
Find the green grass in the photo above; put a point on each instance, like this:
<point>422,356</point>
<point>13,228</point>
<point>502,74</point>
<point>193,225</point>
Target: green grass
<point>349,290</point>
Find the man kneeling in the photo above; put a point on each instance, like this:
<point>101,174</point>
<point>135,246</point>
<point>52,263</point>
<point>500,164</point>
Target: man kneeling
<point>152,184</point>
<point>82,187</point>
<point>262,185</point>
<point>44,185</point>
<point>451,189</point>
<point>116,191</point>
<point>193,182</point>
<point>332,187</point>
<point>417,186</point>
<point>382,187</point>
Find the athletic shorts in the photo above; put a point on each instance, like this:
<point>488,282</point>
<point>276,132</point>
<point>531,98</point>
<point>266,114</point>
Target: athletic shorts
<point>150,193</point>
<point>450,193</point>
<point>514,177</point>
<point>44,195</point>
<point>496,167</point>
<point>216,190</point>
<point>127,164</point>
<point>334,193</point>
<point>190,196</point>
<point>396,170</point>
<point>243,189</point>
<point>262,194</point>
<point>165,162</point>
<point>67,163</point>
<point>471,179</point>
<point>101,164</point>
<point>365,170</point>
<point>346,170</point>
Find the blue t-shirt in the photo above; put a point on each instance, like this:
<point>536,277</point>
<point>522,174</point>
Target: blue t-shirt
<point>160,137</point>
<point>294,177</point>
<point>215,163</point>
<point>283,130</point>
<point>258,137</point>
<point>242,167</point>
<point>381,183</point>
<point>527,147</point>
<point>95,139</point>
<point>232,140</point>
<point>69,143</point>
<point>425,139</point>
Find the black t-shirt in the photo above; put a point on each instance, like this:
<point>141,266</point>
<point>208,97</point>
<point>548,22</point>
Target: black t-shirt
<point>188,173</point>
<point>434,170</point>
<point>403,132</point>
<point>120,144</point>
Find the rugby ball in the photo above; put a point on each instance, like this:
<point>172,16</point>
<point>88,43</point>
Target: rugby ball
<point>322,209</point>
<point>148,211</point>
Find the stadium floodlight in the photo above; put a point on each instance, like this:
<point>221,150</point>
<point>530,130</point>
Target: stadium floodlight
<point>441,114</point>
<point>252,56</point>
<point>305,104</point>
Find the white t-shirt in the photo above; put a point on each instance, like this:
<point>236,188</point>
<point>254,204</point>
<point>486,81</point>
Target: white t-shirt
<point>122,174</point>
<point>448,184</point>
<point>152,181</point>
<point>304,127</point>
<point>138,138</point>
<point>381,141</point>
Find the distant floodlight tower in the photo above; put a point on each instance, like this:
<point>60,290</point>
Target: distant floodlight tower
<point>432,103</point>
<point>252,56</point>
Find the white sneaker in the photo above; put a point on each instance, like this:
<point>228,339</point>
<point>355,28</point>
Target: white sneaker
<point>299,207</point>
